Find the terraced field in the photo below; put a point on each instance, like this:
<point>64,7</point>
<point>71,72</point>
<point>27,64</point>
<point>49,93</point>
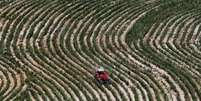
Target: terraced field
<point>49,50</point>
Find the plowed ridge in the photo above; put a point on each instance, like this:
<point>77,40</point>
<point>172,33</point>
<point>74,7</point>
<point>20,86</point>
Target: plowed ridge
<point>49,50</point>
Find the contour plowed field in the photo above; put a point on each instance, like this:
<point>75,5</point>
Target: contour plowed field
<point>49,50</point>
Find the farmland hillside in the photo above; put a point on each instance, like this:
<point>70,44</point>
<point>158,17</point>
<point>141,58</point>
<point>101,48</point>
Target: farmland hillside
<point>50,49</point>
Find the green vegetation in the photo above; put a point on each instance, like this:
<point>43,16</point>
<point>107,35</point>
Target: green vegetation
<point>50,49</point>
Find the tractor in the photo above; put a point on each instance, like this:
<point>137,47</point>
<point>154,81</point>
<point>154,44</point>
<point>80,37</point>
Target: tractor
<point>102,76</point>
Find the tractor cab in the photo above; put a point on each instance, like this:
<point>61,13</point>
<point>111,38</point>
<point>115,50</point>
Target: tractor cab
<point>102,76</point>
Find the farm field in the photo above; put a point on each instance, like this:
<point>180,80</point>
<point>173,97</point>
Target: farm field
<point>50,49</point>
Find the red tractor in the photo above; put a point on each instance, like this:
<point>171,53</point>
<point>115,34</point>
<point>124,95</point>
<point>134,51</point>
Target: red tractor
<point>102,76</point>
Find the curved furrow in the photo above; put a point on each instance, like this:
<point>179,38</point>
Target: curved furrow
<point>158,40</point>
<point>152,66</point>
<point>7,24</point>
<point>62,66</point>
<point>186,44</point>
<point>39,60</point>
<point>18,28</point>
<point>104,59</point>
<point>5,29</point>
<point>155,45</point>
<point>140,47</point>
<point>45,65</point>
<point>8,9</point>
<point>5,81</point>
<point>39,93</point>
<point>196,46</point>
<point>193,71</point>
<point>180,48</point>
<point>50,49</point>
<point>58,40</point>
<point>103,38</point>
<point>166,76</point>
<point>57,74</point>
<point>196,72</point>
<point>190,39</point>
<point>114,39</point>
<point>103,25</point>
<point>153,38</point>
<point>183,49</point>
<point>193,48</point>
<point>53,38</point>
<point>177,87</point>
<point>124,58</point>
<point>103,96</point>
<point>106,51</point>
<point>14,78</point>
<point>79,36</point>
<point>163,43</point>
<point>33,96</point>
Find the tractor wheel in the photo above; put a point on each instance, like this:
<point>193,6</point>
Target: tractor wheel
<point>101,82</point>
<point>109,82</point>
